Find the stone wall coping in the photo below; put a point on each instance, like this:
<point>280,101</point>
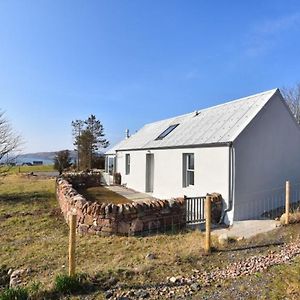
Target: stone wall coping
<point>79,201</point>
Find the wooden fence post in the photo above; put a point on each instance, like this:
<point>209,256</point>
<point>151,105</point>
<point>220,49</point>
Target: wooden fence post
<point>72,244</point>
<point>208,224</point>
<point>287,202</point>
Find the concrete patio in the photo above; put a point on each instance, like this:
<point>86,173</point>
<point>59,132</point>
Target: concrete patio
<point>247,229</point>
<point>129,193</point>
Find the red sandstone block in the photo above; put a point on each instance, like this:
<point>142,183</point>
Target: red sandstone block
<point>79,213</point>
<point>123,227</point>
<point>103,222</point>
<point>82,229</point>
<point>88,220</point>
<point>137,225</point>
<point>112,229</point>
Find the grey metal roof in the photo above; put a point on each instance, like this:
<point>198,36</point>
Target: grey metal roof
<point>215,125</point>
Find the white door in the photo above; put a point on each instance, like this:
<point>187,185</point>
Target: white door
<point>149,172</point>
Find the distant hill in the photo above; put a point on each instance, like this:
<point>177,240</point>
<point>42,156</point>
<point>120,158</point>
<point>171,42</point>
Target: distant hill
<point>46,157</point>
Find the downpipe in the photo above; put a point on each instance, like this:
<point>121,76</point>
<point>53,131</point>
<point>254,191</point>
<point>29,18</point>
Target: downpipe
<point>231,183</point>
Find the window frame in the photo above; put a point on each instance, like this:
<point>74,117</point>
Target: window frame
<point>127,163</point>
<point>188,170</point>
<point>111,165</point>
<point>166,132</point>
<point>106,164</point>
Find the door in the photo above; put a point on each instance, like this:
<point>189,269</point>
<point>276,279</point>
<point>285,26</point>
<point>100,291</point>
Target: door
<point>149,172</point>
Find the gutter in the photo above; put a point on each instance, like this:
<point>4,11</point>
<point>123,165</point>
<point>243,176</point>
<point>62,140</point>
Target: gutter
<point>218,144</point>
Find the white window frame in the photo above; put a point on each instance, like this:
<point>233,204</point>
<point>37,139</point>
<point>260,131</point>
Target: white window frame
<point>106,164</point>
<point>111,165</point>
<point>127,164</point>
<point>186,170</point>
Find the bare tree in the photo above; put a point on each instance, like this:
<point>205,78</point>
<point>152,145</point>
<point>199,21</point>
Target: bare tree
<point>9,144</point>
<point>292,98</point>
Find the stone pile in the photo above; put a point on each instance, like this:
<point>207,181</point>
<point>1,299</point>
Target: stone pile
<point>180,287</point>
<point>122,219</point>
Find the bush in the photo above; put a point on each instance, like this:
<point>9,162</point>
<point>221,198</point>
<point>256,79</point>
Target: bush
<point>67,284</point>
<point>14,294</point>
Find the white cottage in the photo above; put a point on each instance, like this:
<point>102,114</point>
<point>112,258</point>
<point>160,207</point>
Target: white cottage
<point>243,149</point>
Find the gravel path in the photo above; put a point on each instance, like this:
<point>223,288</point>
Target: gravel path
<point>186,287</point>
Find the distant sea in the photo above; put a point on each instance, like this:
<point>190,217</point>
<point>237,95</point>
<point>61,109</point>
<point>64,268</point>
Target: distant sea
<point>21,160</point>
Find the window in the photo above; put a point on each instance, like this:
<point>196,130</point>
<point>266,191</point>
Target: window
<point>166,132</point>
<point>111,165</point>
<point>127,164</point>
<point>188,169</point>
<point>106,164</point>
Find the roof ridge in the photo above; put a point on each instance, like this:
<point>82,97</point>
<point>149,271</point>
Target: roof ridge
<point>214,106</point>
<point>241,99</point>
<point>225,127</point>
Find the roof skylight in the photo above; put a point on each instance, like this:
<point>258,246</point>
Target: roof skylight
<point>166,132</point>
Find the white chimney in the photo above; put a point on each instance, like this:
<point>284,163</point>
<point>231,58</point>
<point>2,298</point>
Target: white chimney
<point>127,133</point>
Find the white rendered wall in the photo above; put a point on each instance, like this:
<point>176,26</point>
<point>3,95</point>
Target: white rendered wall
<point>267,153</point>
<point>211,171</point>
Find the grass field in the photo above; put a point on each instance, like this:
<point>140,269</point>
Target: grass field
<point>33,235</point>
<point>29,169</point>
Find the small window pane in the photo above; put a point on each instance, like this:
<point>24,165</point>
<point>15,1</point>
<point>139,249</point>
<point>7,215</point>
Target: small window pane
<point>191,162</point>
<point>127,164</point>
<point>188,169</point>
<point>110,165</point>
<point>190,178</point>
<point>106,164</point>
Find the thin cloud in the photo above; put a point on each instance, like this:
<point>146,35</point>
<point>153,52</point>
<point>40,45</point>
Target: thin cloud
<point>266,35</point>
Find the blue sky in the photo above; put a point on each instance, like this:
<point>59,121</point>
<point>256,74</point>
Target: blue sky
<point>134,62</point>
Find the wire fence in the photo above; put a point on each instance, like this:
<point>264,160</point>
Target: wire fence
<point>173,224</point>
<point>266,203</point>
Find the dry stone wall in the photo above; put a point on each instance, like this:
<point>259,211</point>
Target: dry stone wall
<point>84,179</point>
<point>121,219</point>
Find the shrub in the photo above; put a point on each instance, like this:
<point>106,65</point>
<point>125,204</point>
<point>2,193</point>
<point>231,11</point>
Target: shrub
<point>14,294</point>
<point>66,284</point>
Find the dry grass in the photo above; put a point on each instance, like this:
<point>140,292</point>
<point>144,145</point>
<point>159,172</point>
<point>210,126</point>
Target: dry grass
<point>34,235</point>
<point>29,169</point>
<point>284,282</point>
<point>101,194</point>
<point>294,217</point>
